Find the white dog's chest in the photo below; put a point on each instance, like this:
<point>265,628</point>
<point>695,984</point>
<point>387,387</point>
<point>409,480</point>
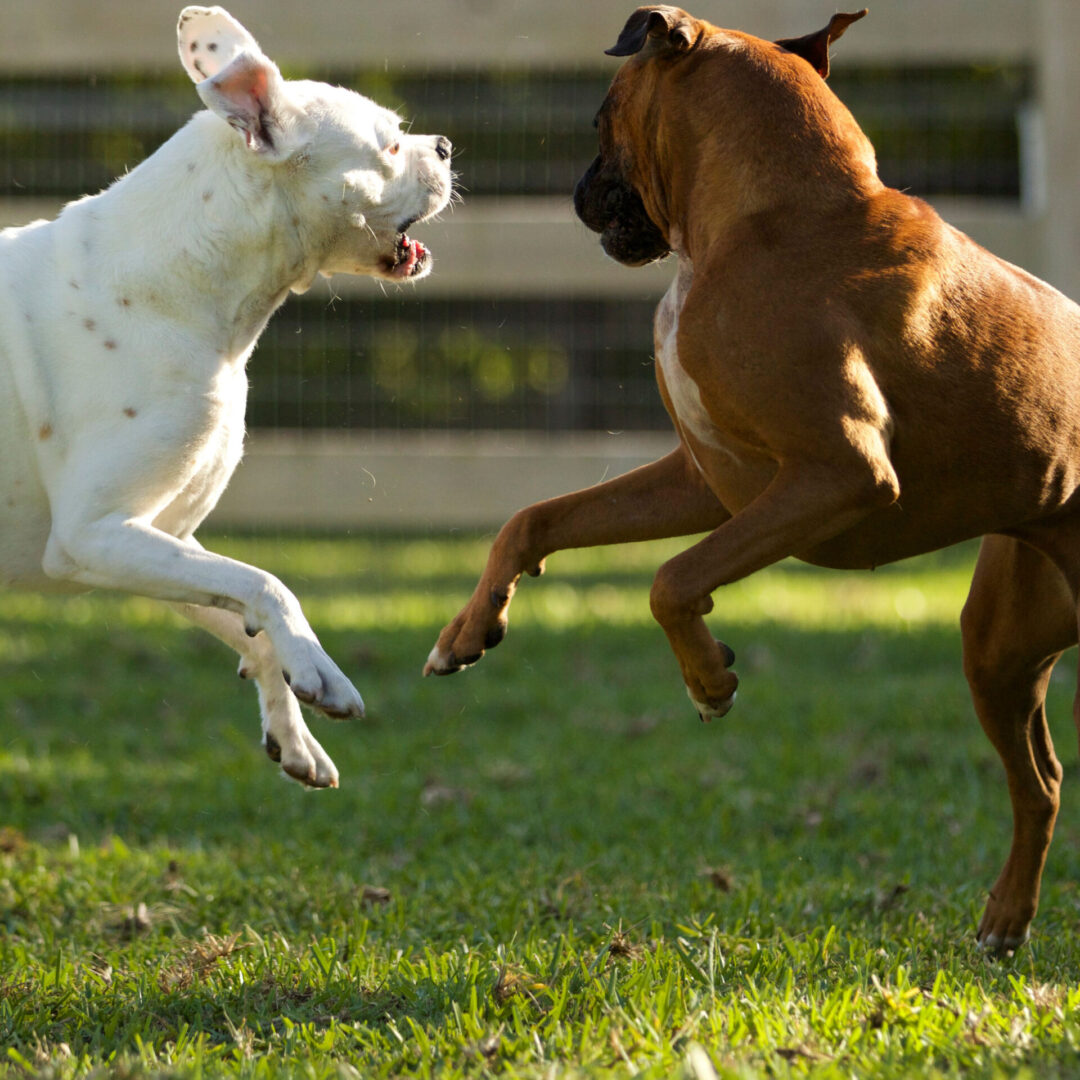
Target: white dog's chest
<point>212,461</point>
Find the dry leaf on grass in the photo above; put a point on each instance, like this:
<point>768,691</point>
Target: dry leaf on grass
<point>435,793</point>
<point>511,983</point>
<point>131,920</point>
<point>198,961</point>
<point>720,877</point>
<point>12,840</point>
<point>374,894</point>
<point>620,947</point>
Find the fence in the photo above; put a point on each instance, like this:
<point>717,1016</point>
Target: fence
<point>521,367</point>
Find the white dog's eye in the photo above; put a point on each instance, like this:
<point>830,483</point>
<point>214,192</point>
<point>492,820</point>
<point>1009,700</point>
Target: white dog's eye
<point>394,148</point>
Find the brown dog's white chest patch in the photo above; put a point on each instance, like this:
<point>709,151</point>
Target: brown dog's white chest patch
<point>683,391</point>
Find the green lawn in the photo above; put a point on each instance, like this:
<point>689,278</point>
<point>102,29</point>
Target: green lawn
<point>546,866</point>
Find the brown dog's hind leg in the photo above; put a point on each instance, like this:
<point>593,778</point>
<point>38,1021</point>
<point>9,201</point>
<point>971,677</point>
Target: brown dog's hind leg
<point>1019,617</point>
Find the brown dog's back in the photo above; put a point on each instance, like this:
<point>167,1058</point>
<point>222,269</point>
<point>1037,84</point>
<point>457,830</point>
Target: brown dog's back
<point>979,363</point>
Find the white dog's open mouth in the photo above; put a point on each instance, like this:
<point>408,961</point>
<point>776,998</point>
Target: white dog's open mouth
<point>409,259</point>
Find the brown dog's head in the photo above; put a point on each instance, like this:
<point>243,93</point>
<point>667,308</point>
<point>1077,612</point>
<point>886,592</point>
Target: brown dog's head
<point>697,108</point>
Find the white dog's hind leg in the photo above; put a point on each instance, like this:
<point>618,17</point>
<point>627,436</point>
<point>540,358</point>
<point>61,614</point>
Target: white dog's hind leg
<point>285,734</point>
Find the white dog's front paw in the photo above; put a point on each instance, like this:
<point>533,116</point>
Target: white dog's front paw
<point>317,681</point>
<point>326,774</point>
<point>303,759</point>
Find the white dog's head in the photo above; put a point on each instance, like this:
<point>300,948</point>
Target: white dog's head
<point>359,181</point>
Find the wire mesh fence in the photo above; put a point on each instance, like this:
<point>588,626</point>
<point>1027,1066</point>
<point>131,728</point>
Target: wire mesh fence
<point>404,360</point>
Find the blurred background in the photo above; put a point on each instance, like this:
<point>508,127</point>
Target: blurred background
<point>521,368</point>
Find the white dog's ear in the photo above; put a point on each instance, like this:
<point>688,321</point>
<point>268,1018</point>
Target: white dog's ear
<point>209,39</point>
<point>232,76</point>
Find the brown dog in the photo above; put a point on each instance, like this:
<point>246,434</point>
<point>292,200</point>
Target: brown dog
<point>853,381</point>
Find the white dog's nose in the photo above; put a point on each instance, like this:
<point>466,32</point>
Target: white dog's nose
<point>443,146</point>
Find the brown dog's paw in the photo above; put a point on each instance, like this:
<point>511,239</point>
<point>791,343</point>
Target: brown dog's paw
<point>448,663</point>
<point>716,699</point>
<point>451,653</point>
<point>714,707</point>
<point>1006,945</point>
<point>999,933</point>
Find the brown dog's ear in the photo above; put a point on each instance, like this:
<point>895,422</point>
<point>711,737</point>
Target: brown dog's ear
<point>661,26</point>
<point>814,48</point>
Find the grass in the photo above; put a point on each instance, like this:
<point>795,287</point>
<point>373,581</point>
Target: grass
<point>542,867</point>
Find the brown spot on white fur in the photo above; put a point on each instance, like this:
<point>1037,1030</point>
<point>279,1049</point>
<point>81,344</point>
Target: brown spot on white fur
<point>129,412</point>
<point>109,343</point>
<point>45,431</point>
<point>89,324</point>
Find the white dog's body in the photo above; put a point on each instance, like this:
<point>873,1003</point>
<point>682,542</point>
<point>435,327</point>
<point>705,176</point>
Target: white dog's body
<point>125,327</point>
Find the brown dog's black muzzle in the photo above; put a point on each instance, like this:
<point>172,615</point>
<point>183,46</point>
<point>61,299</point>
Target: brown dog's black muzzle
<point>608,205</point>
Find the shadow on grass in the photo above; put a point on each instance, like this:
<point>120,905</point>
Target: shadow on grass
<point>148,730</point>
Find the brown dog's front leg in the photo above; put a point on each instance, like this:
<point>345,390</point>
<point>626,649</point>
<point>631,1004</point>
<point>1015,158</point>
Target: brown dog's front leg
<point>805,504</point>
<point>665,498</point>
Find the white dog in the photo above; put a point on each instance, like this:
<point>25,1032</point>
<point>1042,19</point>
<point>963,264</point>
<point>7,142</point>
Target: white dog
<point>125,326</point>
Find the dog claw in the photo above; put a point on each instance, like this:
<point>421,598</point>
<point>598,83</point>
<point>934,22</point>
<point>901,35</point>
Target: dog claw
<point>306,774</point>
<point>708,710</point>
<point>998,946</point>
<point>335,713</point>
<point>307,777</point>
<point>272,747</point>
<point>317,681</point>
<point>443,664</point>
